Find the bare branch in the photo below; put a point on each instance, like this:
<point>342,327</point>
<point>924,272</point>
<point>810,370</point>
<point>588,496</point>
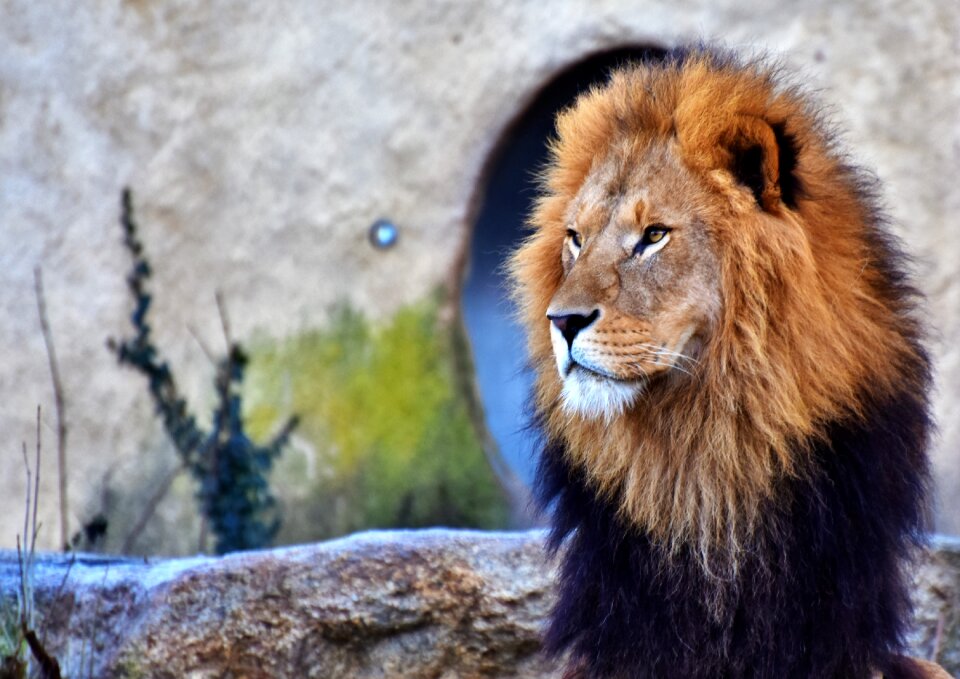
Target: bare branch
<point>224,319</point>
<point>202,537</point>
<point>36,493</point>
<point>150,508</point>
<point>49,667</point>
<point>59,401</point>
<point>24,606</point>
<point>63,581</point>
<point>203,345</point>
<point>938,637</point>
<point>26,511</point>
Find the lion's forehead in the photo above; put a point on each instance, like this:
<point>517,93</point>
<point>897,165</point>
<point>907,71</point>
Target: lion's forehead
<point>626,190</point>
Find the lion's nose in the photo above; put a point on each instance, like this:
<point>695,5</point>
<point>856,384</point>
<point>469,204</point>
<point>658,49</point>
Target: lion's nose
<point>571,324</point>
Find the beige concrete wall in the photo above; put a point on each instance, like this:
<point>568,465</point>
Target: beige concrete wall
<point>262,139</point>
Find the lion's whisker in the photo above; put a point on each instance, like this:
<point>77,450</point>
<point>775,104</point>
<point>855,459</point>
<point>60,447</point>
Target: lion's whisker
<point>667,352</point>
<point>673,366</point>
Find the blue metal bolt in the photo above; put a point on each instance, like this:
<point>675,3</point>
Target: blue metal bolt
<point>383,234</point>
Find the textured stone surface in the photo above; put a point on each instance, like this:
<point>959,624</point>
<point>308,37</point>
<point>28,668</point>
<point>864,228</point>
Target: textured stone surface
<point>262,139</point>
<point>394,604</point>
<point>937,594</point>
<point>428,604</point>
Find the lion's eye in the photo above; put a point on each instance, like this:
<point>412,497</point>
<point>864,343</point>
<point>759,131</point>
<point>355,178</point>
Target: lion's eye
<point>652,235</point>
<point>656,234</point>
<point>574,238</point>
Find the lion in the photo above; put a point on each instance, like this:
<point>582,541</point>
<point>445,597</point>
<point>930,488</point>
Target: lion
<point>730,384</point>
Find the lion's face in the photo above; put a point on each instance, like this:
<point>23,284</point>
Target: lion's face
<point>698,242</point>
<point>640,292</point>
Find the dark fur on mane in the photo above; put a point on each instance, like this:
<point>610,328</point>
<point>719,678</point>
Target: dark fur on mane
<point>823,593</point>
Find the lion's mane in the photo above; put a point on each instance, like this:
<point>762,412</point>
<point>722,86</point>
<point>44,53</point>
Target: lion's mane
<point>754,521</point>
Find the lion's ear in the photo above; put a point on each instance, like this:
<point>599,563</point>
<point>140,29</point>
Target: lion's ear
<point>761,157</point>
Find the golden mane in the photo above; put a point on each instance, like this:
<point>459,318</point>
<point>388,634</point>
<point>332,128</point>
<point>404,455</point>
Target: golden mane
<point>806,321</point>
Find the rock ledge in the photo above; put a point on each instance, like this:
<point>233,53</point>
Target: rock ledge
<point>433,603</point>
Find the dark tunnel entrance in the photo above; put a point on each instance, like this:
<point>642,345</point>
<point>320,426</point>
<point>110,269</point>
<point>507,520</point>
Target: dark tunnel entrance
<point>499,354</point>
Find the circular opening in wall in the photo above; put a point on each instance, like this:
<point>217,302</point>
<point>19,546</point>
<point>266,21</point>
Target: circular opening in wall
<point>505,199</point>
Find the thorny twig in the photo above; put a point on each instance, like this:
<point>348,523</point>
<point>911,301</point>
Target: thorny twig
<point>229,468</point>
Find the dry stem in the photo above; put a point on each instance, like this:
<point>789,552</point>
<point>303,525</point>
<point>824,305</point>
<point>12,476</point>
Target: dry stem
<point>59,401</point>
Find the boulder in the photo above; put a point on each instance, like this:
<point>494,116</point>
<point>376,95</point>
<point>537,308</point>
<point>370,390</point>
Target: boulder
<point>434,603</point>
<point>262,140</point>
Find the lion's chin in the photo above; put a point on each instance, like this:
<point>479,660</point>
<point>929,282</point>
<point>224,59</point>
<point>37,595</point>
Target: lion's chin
<point>593,396</point>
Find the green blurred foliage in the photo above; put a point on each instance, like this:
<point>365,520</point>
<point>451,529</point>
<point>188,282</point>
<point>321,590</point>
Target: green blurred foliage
<point>11,641</point>
<point>385,431</point>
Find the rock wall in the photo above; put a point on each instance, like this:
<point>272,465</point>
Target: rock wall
<point>402,604</point>
<point>262,140</point>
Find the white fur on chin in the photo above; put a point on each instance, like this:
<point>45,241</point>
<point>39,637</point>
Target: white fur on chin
<point>592,396</point>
